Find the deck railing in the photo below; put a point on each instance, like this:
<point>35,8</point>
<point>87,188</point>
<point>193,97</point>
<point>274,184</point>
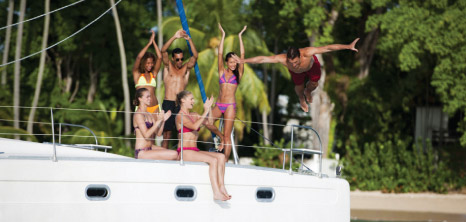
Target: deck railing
<point>302,151</point>
<point>290,150</point>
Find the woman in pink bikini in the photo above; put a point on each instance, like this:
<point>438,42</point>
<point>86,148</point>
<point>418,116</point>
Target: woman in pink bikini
<point>228,81</point>
<point>145,128</point>
<point>191,124</point>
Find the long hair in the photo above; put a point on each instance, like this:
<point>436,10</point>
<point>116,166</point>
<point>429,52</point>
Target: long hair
<point>138,95</point>
<point>236,72</point>
<point>142,65</point>
<point>180,96</point>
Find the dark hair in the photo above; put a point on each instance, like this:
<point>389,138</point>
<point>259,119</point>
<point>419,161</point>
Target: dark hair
<point>236,72</point>
<point>181,95</point>
<point>292,52</point>
<point>142,65</point>
<point>176,51</point>
<point>138,95</point>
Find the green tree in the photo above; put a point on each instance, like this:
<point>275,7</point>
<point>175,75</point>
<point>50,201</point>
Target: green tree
<point>19,41</point>
<point>428,37</point>
<point>11,8</point>
<point>45,36</point>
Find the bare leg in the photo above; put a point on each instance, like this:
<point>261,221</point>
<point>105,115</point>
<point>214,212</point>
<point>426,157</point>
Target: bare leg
<point>158,153</point>
<point>230,114</point>
<point>299,89</point>
<point>190,155</point>
<point>221,172</point>
<point>216,114</point>
<point>310,86</point>
<point>166,136</point>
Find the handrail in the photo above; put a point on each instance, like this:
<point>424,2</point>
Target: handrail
<point>236,159</point>
<point>302,151</point>
<point>76,125</point>
<point>233,147</point>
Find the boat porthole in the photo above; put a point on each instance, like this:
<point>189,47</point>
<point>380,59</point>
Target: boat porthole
<point>185,193</point>
<point>265,194</point>
<point>96,192</point>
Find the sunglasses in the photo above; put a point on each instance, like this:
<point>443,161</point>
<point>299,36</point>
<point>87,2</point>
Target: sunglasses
<point>179,59</point>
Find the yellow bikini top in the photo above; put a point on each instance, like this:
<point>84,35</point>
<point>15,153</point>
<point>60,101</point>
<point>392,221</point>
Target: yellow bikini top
<point>142,81</point>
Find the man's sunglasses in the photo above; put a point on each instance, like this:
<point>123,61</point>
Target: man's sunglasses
<point>177,59</point>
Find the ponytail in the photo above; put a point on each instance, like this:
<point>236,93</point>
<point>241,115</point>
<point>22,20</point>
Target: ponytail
<point>180,96</point>
<point>138,95</point>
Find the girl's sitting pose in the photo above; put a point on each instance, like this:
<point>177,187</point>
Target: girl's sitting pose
<point>145,128</point>
<point>191,125</point>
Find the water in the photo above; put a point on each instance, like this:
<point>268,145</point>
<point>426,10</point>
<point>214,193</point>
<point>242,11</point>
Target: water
<point>386,215</point>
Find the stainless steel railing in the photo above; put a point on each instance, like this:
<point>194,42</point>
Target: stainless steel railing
<point>302,151</point>
<point>75,125</point>
<point>96,146</point>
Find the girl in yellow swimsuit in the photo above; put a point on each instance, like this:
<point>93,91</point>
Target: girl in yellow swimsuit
<point>145,72</point>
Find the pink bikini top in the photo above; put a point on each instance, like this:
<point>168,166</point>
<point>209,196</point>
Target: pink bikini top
<point>223,80</point>
<point>186,129</point>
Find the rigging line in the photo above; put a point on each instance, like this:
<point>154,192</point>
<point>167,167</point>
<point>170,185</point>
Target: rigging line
<point>69,109</point>
<point>35,53</point>
<point>256,132</point>
<point>25,121</point>
<point>25,134</point>
<point>56,10</point>
<point>109,137</point>
<point>116,111</point>
<point>205,142</point>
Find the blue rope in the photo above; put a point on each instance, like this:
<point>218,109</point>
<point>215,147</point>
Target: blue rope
<point>184,24</point>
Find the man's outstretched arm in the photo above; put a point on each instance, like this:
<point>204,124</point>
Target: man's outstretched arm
<point>281,58</point>
<point>309,51</point>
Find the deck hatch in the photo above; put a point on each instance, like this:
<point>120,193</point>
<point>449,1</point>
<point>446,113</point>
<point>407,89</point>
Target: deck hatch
<point>185,193</point>
<point>265,194</point>
<point>96,192</point>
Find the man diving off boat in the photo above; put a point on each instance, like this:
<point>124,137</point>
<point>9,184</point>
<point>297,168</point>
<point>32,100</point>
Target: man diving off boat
<point>301,63</point>
<point>175,78</point>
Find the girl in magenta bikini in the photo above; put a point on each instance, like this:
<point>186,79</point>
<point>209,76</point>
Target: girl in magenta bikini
<point>145,128</point>
<point>191,124</point>
<point>228,81</point>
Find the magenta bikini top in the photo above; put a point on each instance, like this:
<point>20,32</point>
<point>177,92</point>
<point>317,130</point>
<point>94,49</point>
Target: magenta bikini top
<point>223,80</point>
<point>186,129</point>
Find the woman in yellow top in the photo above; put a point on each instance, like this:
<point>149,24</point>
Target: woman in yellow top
<point>145,72</point>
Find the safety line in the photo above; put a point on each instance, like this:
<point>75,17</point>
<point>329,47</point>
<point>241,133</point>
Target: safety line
<point>33,54</point>
<point>39,16</point>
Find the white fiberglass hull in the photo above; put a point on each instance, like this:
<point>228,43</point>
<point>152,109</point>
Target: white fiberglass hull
<point>34,188</point>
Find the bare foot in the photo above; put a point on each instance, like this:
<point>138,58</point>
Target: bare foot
<point>307,94</point>
<point>303,104</point>
<point>224,191</point>
<point>220,196</point>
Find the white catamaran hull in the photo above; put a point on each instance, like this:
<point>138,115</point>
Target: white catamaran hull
<point>35,188</point>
